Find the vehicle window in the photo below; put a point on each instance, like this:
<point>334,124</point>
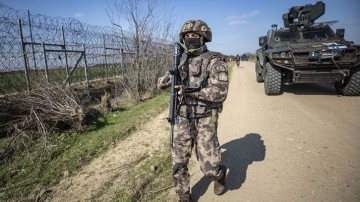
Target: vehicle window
<point>315,34</point>
<point>288,36</point>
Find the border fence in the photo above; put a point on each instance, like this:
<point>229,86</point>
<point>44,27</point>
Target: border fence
<point>37,48</point>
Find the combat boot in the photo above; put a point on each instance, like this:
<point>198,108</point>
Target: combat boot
<point>185,197</point>
<point>219,185</point>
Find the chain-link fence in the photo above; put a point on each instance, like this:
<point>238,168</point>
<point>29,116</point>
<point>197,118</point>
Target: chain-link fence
<point>38,48</point>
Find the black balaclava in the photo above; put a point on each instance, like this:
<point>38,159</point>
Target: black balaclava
<point>192,43</point>
<point>195,46</point>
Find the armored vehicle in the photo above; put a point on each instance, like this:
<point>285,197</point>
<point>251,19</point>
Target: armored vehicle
<point>307,52</point>
<point>244,57</point>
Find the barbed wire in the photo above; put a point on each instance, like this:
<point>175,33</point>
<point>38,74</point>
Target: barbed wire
<point>34,44</point>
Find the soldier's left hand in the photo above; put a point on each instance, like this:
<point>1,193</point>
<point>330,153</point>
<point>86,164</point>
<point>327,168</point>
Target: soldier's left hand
<point>181,89</point>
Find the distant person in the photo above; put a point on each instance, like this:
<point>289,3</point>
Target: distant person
<point>237,59</point>
<point>198,110</point>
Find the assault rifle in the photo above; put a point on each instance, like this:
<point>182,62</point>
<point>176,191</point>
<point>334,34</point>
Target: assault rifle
<point>174,99</point>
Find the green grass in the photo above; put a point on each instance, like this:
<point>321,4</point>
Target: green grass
<point>34,169</point>
<point>230,68</point>
<point>148,181</point>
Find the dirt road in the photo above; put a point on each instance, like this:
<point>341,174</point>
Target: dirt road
<point>301,146</point>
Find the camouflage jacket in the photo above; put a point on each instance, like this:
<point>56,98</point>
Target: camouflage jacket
<point>208,73</point>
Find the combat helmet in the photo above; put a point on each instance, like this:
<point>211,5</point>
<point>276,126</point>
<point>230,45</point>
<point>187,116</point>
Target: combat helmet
<point>196,26</point>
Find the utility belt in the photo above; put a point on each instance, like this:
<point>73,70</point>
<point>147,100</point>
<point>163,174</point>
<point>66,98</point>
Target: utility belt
<point>194,108</point>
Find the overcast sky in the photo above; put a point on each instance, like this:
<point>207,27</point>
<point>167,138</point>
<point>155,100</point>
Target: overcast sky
<point>236,24</point>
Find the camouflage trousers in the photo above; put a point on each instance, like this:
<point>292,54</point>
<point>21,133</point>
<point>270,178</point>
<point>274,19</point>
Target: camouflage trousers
<point>200,133</point>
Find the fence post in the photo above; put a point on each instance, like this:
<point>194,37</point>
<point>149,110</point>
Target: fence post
<point>32,43</point>
<point>86,74</point>
<point>24,55</point>
<point>121,63</point>
<point>106,67</point>
<point>66,56</point>
<point>46,64</point>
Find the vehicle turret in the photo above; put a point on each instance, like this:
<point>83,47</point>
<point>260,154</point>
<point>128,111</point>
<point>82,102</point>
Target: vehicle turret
<point>303,15</point>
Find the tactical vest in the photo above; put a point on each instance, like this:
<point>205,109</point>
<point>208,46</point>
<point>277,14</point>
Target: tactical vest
<point>194,73</point>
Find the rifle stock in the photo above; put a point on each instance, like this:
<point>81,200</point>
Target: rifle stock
<point>174,100</point>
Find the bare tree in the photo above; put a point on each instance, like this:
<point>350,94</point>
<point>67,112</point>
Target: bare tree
<point>150,25</point>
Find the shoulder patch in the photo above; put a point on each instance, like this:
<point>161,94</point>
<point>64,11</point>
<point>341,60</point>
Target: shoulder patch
<point>223,76</point>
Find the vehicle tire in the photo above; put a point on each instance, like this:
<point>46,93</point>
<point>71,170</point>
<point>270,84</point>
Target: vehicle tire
<point>272,80</point>
<point>258,72</point>
<point>349,86</point>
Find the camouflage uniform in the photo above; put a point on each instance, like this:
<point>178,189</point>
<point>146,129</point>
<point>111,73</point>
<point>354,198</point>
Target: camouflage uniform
<point>198,113</point>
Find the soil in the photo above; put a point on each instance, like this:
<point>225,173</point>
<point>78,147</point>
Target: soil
<point>300,146</point>
<point>114,165</point>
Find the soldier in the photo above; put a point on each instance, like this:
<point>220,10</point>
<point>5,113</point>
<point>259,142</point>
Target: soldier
<point>205,74</point>
<point>237,58</point>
